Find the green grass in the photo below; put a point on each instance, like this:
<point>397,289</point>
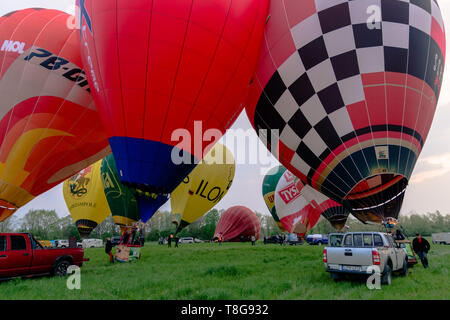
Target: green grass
<point>230,271</point>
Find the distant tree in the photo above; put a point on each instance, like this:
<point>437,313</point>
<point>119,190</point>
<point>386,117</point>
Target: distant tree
<point>9,224</point>
<point>67,229</point>
<point>106,229</point>
<point>43,224</point>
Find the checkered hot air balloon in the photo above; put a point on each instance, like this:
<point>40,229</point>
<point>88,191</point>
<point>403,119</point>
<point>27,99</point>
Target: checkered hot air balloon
<point>352,88</point>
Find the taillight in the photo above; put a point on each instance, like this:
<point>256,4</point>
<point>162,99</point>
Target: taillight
<point>324,255</point>
<point>376,257</point>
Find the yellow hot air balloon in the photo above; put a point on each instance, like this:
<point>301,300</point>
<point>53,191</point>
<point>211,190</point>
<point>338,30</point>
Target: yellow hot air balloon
<point>86,200</point>
<point>205,186</point>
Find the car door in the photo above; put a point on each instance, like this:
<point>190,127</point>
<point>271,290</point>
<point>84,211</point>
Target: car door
<point>393,252</point>
<point>3,255</point>
<point>19,255</point>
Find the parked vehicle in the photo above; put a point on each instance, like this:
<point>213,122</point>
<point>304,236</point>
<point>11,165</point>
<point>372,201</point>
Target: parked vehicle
<point>441,238</point>
<point>187,240</point>
<point>61,243</point>
<point>293,239</point>
<point>317,239</point>
<point>22,255</point>
<point>92,243</point>
<point>115,240</point>
<point>273,239</point>
<point>362,250</point>
<point>198,240</point>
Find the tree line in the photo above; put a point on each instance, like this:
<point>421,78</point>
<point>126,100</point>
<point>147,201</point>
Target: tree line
<point>47,225</point>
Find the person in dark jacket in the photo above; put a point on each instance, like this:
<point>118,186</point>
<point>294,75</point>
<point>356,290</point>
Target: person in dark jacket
<point>108,250</point>
<point>169,241</point>
<point>421,246</point>
<point>399,235</point>
<point>176,241</point>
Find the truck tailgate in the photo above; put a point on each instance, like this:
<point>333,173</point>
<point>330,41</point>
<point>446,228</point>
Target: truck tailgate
<point>350,256</point>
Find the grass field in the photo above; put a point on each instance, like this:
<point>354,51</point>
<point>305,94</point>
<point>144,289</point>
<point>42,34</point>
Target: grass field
<point>230,271</point>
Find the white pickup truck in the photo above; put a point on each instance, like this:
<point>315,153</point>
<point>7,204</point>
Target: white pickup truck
<point>362,252</point>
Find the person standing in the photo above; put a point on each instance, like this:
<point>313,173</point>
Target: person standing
<point>265,239</point>
<point>108,250</point>
<point>176,241</point>
<point>169,240</point>
<point>253,240</point>
<point>421,246</point>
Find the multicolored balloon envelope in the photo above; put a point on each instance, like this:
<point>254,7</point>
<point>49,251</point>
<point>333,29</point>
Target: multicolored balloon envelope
<point>352,88</point>
<point>126,208</point>
<point>268,190</point>
<point>164,71</point>
<point>49,126</point>
<point>299,206</point>
<point>205,186</point>
<point>121,200</point>
<point>238,223</point>
<point>86,199</point>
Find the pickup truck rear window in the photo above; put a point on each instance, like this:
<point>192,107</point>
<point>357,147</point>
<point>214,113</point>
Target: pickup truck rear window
<point>2,243</point>
<point>367,239</point>
<point>377,241</point>
<point>357,240</point>
<point>348,241</point>
<point>18,243</point>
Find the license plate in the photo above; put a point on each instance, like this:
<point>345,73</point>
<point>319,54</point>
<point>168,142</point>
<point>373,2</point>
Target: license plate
<point>351,268</point>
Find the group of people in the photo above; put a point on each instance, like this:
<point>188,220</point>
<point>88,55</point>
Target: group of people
<point>171,238</point>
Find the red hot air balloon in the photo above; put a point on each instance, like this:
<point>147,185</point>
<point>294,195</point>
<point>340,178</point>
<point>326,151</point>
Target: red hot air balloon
<point>49,126</point>
<point>352,87</point>
<point>157,66</point>
<point>238,223</point>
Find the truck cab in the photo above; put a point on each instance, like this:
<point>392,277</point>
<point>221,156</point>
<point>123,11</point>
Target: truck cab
<point>22,255</point>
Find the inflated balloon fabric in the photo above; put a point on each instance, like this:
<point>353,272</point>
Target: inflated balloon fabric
<point>49,126</point>
<point>352,88</point>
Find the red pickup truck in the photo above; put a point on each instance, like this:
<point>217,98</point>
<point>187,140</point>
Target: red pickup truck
<point>22,255</point>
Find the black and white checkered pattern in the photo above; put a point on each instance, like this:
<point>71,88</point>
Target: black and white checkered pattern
<point>307,96</point>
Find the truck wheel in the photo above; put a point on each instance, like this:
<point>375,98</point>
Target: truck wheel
<point>61,268</point>
<point>386,277</point>
<point>404,271</point>
<point>335,276</point>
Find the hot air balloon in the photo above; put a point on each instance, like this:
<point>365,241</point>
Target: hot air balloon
<point>121,200</point>
<point>299,206</point>
<point>86,199</point>
<point>352,88</point>
<point>164,72</point>
<point>125,209</point>
<point>205,186</point>
<point>49,126</point>
<point>238,223</point>
<point>268,190</point>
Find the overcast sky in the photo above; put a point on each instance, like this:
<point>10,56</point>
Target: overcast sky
<point>427,192</point>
